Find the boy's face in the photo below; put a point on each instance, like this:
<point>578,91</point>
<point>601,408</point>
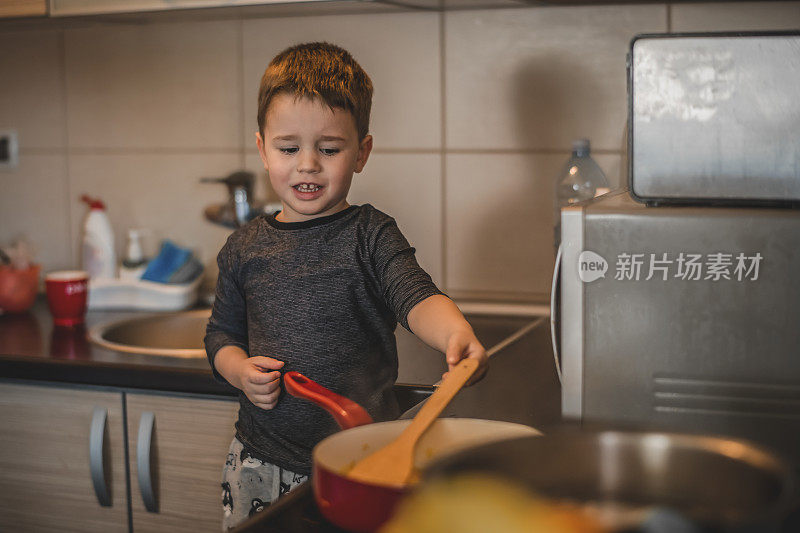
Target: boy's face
<point>310,153</point>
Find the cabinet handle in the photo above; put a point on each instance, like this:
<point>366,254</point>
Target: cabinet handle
<point>143,446</point>
<point>97,464</point>
<point>555,312</point>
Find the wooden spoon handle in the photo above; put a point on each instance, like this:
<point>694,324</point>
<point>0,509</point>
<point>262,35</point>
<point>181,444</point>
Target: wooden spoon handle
<point>456,379</point>
<point>394,463</point>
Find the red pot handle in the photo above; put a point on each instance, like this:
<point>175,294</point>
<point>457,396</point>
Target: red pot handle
<point>347,413</point>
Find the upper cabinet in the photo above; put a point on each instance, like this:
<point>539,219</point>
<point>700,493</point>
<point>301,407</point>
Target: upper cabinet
<point>135,10</point>
<point>61,8</point>
<point>23,8</point>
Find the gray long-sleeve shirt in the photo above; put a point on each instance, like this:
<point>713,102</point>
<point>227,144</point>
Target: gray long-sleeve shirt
<point>324,296</point>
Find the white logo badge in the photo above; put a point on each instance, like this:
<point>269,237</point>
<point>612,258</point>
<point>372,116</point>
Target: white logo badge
<point>591,266</point>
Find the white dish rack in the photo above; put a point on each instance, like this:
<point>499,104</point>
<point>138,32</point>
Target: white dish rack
<point>140,294</point>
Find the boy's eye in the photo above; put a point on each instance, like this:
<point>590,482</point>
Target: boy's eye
<point>329,151</point>
<point>291,150</point>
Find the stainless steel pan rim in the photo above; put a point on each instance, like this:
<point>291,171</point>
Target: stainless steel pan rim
<point>714,481</point>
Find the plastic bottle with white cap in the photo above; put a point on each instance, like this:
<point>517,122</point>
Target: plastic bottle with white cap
<point>98,256</point>
<point>581,179</point>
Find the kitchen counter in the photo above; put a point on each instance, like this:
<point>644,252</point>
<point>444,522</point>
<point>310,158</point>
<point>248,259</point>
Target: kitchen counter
<point>521,382</point>
<point>32,349</point>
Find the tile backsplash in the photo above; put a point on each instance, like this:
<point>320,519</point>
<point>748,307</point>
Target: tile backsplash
<point>473,115</point>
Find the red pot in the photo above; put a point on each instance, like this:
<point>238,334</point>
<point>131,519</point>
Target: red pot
<point>359,506</point>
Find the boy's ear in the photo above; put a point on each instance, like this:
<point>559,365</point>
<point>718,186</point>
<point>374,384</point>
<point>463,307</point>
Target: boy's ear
<point>260,144</point>
<point>364,148</point>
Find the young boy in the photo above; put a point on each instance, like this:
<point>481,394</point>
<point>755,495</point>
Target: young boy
<point>317,288</point>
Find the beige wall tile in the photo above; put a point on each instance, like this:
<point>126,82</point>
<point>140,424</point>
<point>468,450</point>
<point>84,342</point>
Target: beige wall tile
<point>613,166</point>
<point>161,193</point>
<point>540,77</point>
<point>34,204</point>
<point>499,222</point>
<point>400,52</point>
<point>31,90</point>
<point>736,16</point>
<point>262,190</point>
<point>156,86</point>
<point>407,187</point>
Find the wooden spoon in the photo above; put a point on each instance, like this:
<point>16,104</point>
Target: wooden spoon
<point>394,463</point>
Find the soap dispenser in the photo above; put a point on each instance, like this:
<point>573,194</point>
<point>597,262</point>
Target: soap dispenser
<point>98,257</point>
<point>134,263</point>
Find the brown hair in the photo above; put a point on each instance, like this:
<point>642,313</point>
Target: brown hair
<point>318,70</point>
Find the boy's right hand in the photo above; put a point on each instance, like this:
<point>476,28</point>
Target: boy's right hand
<point>261,382</point>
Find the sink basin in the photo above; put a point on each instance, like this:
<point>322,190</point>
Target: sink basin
<point>181,335</point>
<point>173,334</point>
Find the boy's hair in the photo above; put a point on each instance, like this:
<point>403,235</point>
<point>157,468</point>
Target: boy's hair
<point>318,70</point>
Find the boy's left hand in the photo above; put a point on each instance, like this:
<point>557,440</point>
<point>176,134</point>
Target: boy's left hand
<point>463,344</point>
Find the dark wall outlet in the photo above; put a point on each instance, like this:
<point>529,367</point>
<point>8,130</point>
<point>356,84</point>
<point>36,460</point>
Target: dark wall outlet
<point>8,149</point>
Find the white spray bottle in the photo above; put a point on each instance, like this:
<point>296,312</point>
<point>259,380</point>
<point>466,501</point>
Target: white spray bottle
<point>98,256</point>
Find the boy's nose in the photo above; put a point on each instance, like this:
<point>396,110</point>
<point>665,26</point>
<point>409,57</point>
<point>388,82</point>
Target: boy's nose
<point>308,163</point>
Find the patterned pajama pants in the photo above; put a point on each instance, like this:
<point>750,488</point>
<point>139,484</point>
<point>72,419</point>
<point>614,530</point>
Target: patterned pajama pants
<point>250,485</point>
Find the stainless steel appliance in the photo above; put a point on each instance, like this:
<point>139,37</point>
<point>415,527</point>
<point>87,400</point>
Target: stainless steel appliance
<point>715,118</point>
<point>682,318</point>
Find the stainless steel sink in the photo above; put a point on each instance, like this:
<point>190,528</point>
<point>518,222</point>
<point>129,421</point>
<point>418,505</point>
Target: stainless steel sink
<point>181,335</point>
<point>173,334</point>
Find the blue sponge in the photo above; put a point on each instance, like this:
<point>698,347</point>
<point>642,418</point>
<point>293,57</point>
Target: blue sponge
<point>167,262</point>
<point>188,272</point>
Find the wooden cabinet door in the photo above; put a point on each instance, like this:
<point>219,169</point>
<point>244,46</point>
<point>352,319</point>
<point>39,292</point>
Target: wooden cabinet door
<point>45,478</point>
<point>188,446</point>
<point>23,8</point>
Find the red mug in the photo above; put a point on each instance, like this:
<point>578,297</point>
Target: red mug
<point>67,292</point>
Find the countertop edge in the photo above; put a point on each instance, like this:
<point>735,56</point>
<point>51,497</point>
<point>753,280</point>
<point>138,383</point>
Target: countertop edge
<point>173,379</point>
<point>147,378</point>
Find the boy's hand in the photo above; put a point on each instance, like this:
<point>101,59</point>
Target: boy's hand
<point>437,321</point>
<point>463,344</point>
<point>261,382</point>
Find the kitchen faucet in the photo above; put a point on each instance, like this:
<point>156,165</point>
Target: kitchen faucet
<point>240,207</point>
